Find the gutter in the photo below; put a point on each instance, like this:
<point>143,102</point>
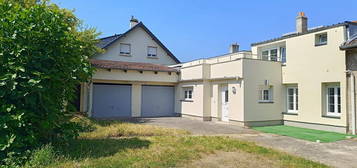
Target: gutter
<point>352,101</point>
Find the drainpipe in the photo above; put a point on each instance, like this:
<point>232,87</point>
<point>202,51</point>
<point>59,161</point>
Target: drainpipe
<point>353,100</point>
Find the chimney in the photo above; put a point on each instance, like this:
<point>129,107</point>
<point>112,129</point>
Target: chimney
<point>301,23</point>
<point>233,48</point>
<point>133,22</point>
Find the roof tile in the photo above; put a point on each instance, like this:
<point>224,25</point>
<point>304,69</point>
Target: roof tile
<point>107,64</point>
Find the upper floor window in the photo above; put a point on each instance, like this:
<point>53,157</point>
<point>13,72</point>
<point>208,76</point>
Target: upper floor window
<point>152,51</point>
<point>283,54</point>
<point>321,39</point>
<point>270,55</point>
<point>125,49</point>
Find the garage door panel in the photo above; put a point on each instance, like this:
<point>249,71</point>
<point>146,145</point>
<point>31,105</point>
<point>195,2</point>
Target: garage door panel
<point>157,101</point>
<point>111,101</point>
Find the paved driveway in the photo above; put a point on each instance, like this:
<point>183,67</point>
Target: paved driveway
<point>342,154</point>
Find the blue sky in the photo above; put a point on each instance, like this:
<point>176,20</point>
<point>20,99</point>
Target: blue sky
<point>194,29</point>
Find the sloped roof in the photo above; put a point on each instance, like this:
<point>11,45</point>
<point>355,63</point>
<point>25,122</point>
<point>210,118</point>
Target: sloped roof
<point>107,41</point>
<point>107,64</point>
<point>349,44</point>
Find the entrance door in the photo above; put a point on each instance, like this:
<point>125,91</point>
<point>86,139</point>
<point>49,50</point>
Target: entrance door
<point>224,93</point>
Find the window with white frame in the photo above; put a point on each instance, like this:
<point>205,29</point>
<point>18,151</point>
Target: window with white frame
<point>321,39</point>
<point>333,100</point>
<point>270,55</point>
<point>188,93</point>
<point>292,99</point>
<point>152,51</point>
<point>266,95</point>
<point>125,49</point>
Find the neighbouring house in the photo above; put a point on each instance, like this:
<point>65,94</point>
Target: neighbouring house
<point>302,78</point>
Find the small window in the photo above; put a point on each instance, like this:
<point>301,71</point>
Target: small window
<point>292,99</point>
<point>274,55</point>
<point>152,51</point>
<point>266,95</point>
<point>188,93</point>
<point>333,100</point>
<point>125,49</point>
<point>321,39</point>
<point>283,54</point>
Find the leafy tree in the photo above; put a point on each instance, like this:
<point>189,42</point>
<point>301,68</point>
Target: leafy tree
<point>43,56</point>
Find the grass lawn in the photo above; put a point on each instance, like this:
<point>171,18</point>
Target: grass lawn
<point>303,133</point>
<point>117,144</point>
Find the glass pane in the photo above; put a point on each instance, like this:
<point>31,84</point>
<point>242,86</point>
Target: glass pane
<point>283,54</point>
<point>274,55</point>
<point>226,95</point>
<point>266,94</point>
<point>190,94</point>
<point>338,100</point>
<point>296,98</point>
<point>265,55</point>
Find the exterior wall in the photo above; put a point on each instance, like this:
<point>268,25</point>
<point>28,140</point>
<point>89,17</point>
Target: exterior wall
<point>226,69</point>
<point>192,108</point>
<point>132,75</point>
<point>255,72</point>
<point>139,41</point>
<point>311,66</point>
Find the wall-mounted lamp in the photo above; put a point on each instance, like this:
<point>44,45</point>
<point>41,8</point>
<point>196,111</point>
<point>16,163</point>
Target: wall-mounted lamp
<point>234,90</point>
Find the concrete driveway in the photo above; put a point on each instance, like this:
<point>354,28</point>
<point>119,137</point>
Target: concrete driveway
<point>342,154</point>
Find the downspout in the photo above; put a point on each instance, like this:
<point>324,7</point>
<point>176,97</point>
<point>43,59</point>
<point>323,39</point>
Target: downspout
<point>353,100</point>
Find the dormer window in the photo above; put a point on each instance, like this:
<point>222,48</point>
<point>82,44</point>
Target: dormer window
<point>152,51</point>
<point>320,39</point>
<point>125,49</point>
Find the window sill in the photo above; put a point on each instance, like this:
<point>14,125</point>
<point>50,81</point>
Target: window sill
<point>186,100</point>
<point>151,57</point>
<point>265,101</point>
<point>125,55</point>
<point>322,44</point>
<point>290,113</point>
<point>331,116</point>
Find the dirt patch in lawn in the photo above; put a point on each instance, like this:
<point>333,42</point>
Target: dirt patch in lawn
<point>232,160</point>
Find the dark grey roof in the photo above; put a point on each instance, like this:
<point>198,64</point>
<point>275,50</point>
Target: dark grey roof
<point>107,41</point>
<point>350,44</point>
<point>299,34</point>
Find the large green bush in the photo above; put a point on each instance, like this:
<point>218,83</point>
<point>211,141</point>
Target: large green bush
<point>43,58</point>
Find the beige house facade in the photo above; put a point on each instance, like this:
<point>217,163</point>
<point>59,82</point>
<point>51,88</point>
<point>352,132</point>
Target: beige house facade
<point>304,78</point>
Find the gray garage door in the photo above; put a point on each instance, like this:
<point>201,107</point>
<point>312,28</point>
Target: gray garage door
<point>157,101</point>
<point>111,100</point>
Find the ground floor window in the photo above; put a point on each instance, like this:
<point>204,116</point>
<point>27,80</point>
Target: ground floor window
<point>188,92</point>
<point>266,95</point>
<point>333,100</point>
<point>292,99</point>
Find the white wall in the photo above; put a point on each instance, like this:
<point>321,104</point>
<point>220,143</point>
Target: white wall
<point>139,41</point>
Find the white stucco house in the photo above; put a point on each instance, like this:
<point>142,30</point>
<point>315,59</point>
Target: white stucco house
<point>299,79</point>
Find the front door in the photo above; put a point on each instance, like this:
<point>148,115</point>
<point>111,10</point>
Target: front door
<point>224,93</point>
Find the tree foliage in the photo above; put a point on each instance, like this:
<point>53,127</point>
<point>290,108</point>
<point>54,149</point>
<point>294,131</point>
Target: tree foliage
<point>43,56</point>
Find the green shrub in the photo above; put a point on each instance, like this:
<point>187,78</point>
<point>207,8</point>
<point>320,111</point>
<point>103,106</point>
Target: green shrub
<point>42,157</point>
<point>44,57</point>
